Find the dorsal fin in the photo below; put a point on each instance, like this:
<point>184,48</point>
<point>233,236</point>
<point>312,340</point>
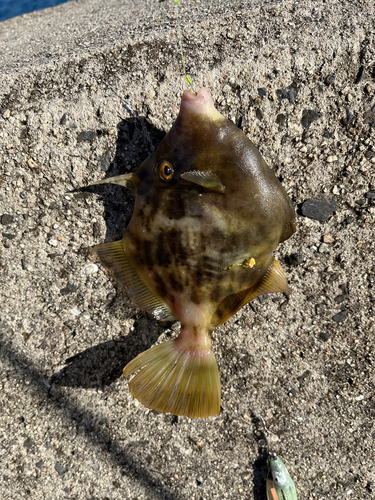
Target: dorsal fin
<point>274,281</point>
<point>208,180</point>
<point>125,180</point>
<point>113,256</point>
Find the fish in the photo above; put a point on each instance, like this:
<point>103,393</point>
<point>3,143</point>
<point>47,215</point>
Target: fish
<point>208,213</point>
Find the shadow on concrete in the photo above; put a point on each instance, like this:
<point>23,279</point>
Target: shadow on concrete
<point>102,364</point>
<point>260,466</point>
<point>136,139</point>
<point>120,454</point>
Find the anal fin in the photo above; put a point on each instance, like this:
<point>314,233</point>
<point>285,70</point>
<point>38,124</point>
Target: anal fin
<point>113,256</point>
<point>274,281</point>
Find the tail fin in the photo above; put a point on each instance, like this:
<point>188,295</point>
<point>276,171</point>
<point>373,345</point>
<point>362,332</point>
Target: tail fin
<point>171,381</point>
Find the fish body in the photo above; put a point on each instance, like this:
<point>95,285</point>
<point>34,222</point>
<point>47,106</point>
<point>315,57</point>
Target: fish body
<point>208,213</point>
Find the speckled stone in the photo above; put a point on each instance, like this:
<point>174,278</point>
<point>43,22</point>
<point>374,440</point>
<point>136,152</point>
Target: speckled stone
<point>340,316</point>
<point>7,219</point>
<point>318,210</point>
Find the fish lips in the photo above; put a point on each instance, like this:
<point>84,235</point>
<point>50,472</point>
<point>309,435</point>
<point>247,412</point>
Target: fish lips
<point>200,103</point>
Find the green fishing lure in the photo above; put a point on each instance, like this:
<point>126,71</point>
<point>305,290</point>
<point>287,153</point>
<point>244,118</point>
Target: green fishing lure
<point>279,484</point>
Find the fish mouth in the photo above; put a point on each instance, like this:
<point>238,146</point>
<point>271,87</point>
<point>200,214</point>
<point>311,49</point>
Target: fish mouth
<point>195,98</point>
<point>200,103</point>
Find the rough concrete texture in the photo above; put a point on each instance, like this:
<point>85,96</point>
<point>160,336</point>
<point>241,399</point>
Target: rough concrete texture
<point>87,90</point>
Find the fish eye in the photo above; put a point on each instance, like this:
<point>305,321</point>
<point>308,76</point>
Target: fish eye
<point>165,171</point>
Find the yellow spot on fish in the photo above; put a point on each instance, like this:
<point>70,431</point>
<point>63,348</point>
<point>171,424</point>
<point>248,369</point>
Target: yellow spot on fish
<point>249,263</point>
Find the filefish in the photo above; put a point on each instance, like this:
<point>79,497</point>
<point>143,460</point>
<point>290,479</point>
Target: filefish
<point>208,213</point>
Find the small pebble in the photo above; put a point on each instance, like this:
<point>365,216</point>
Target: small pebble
<point>60,469</point>
<point>328,239</point>
<point>308,116</point>
<point>32,163</point>
<point>6,114</point>
<point>75,311</point>
<point>331,159</point>
<point>87,135</point>
<point>68,289</point>
<point>361,75</point>
<point>348,221</point>
<point>295,259</point>
<point>367,89</point>
<point>318,210</point>
<point>281,120</point>
<point>339,299</point>
<point>370,195</point>
<point>349,116</point>
<point>9,236</point>
<point>90,269</point>
<point>289,93</point>
<point>325,336</point>
<point>324,248</point>
<point>262,92</point>
<point>53,243</point>
<point>7,219</point>
<point>340,316</point>
<point>25,265</point>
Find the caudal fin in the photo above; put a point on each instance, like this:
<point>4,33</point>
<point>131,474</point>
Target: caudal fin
<point>171,381</point>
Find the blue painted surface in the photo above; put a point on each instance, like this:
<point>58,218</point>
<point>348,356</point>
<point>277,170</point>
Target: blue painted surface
<point>11,8</point>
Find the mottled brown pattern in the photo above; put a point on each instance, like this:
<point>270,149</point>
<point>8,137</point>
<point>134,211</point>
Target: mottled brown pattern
<point>224,229</point>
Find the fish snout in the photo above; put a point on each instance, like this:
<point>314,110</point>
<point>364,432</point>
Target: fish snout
<point>200,103</point>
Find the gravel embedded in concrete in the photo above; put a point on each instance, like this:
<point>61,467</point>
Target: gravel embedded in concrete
<point>87,90</point>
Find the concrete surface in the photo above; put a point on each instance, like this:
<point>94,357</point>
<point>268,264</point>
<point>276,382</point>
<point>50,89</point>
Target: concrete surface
<point>86,90</point>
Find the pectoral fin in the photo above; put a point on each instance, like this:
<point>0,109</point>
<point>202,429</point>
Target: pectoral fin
<point>208,180</point>
<point>113,256</point>
<point>125,180</point>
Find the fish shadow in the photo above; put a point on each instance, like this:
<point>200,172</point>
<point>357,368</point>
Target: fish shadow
<point>137,138</point>
<point>102,364</point>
